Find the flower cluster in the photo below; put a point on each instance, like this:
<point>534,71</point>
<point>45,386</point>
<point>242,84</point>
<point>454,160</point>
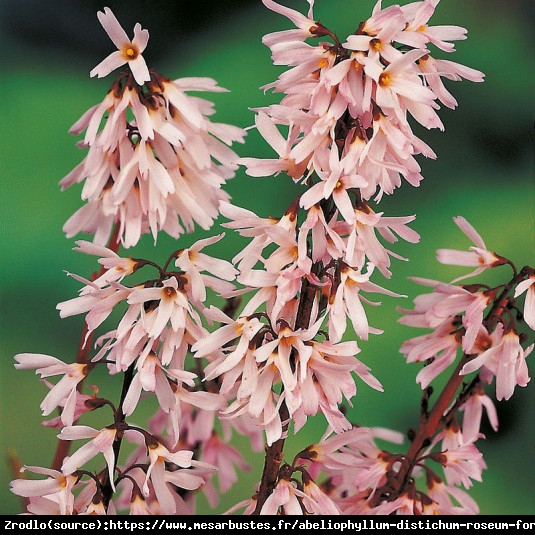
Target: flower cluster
<point>347,470</point>
<point>341,130</point>
<point>348,102</point>
<point>473,317</point>
<point>163,318</point>
<point>161,170</point>
<point>142,174</point>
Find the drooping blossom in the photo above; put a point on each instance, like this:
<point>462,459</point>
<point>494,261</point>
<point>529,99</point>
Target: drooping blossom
<point>478,255</point>
<point>227,459</point>
<point>528,287</point>
<point>57,487</point>
<point>505,359</point>
<point>285,498</point>
<point>316,501</point>
<point>64,393</point>
<point>101,442</point>
<point>449,303</point>
<point>473,413</point>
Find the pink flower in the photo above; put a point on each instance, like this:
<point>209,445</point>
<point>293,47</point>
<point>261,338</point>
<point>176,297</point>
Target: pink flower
<point>193,262</point>
<point>528,286</point>
<point>477,256</point>
<point>450,500</point>
<point>129,51</point>
<point>334,182</point>
<point>473,413</point>
<point>399,88</point>
<point>97,302</point>
<point>262,405</point>
<point>159,476</point>
<point>355,464</point>
<point>346,301</point>
<point>102,442</point>
<point>172,306</point>
<point>248,224</point>
<point>277,352</point>
<point>363,242</point>
<point>316,502</point>
<point>433,69</point>
<point>403,505</point>
<point>64,392</point>
<point>226,458</point>
<point>305,25</point>
<point>337,452</point>
<point>150,377</point>
<point>243,328</point>
<point>248,507</point>
<point>326,242</point>
<point>462,461</point>
<point>439,348</point>
<point>388,155</point>
<point>265,167</point>
<point>139,505</point>
<point>158,453</point>
<point>285,499</point>
<point>325,380</point>
<point>116,267</point>
<point>505,358</point>
<point>417,32</point>
<point>70,412</point>
<point>57,487</point>
<point>352,85</point>
<point>444,304</point>
<point>377,34</point>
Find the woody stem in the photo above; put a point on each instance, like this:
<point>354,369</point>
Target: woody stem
<point>274,453</point>
<point>433,422</point>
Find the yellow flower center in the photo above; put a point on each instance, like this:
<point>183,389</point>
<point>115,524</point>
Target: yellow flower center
<point>384,79</point>
<point>376,45</point>
<point>130,52</point>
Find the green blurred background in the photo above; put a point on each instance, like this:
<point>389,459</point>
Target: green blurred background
<point>484,172</point>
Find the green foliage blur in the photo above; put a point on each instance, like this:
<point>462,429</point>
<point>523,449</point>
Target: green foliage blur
<point>484,172</point>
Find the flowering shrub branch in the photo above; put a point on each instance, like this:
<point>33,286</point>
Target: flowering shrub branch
<point>283,345</point>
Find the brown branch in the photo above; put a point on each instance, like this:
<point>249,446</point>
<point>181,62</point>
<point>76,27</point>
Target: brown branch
<point>431,423</point>
<point>274,453</point>
<point>272,462</point>
<point>120,417</point>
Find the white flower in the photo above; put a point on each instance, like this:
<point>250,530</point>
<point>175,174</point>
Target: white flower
<point>478,255</point>
<point>57,487</point>
<point>128,51</point>
<point>64,392</point>
<point>528,286</point>
<point>102,442</point>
